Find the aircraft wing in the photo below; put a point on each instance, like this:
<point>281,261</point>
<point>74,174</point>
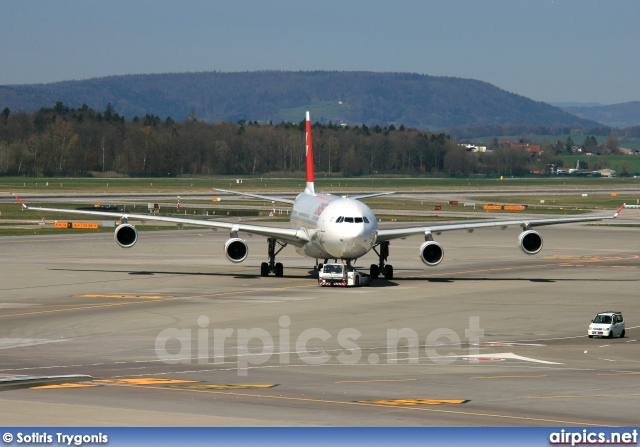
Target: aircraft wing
<point>364,196</point>
<point>396,233</point>
<point>296,237</point>
<point>240,193</point>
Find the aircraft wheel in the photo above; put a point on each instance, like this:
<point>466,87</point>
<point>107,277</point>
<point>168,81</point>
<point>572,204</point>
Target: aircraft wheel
<point>388,272</point>
<point>279,269</point>
<point>264,269</point>
<point>374,271</point>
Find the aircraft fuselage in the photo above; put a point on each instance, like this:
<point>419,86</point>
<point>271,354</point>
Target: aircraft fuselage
<point>338,227</point>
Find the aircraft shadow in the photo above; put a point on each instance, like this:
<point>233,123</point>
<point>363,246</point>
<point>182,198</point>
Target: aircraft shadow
<point>166,272</point>
<point>381,282</point>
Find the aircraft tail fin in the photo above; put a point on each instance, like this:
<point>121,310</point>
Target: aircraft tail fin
<point>310,187</point>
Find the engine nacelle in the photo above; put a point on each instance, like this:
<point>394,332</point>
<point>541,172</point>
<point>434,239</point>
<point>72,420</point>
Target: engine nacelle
<point>530,242</point>
<point>236,250</point>
<point>126,235</point>
<point>431,253</point>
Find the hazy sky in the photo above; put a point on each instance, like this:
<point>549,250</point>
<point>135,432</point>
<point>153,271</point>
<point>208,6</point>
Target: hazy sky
<point>547,50</point>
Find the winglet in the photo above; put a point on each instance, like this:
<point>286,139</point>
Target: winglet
<point>310,187</point>
<point>24,205</point>
<point>619,210</point>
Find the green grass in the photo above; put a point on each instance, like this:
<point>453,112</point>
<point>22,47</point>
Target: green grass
<point>263,184</point>
<point>13,216</point>
<point>628,143</point>
<point>617,162</point>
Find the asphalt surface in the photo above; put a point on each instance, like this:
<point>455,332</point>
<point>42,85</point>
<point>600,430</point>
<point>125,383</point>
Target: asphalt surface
<point>173,334</point>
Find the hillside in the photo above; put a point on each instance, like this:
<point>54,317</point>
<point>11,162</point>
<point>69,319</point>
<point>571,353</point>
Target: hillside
<point>617,115</point>
<point>421,101</point>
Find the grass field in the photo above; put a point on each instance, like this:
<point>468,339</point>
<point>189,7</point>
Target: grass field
<point>256,183</point>
<point>398,207</point>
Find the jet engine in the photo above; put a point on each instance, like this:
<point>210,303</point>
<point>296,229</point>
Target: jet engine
<point>126,235</point>
<point>431,253</point>
<point>236,250</point>
<point>530,242</point>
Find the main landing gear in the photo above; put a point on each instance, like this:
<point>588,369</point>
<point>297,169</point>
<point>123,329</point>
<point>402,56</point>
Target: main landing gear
<point>385,269</point>
<point>272,266</point>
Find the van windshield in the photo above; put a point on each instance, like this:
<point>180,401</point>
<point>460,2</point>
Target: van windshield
<point>332,268</point>
<point>602,319</point>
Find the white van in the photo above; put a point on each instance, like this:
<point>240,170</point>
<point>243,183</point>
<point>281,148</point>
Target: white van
<point>607,324</point>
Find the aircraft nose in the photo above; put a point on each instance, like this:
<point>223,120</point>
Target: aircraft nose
<point>356,239</point>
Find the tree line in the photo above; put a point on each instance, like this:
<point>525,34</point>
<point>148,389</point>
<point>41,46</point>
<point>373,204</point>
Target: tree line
<point>61,141</point>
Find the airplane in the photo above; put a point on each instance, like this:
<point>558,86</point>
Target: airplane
<point>327,226</point>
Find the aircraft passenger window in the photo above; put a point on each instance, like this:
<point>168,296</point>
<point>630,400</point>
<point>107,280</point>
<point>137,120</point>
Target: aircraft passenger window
<point>366,220</point>
<point>348,219</point>
<point>340,219</point>
<point>358,219</point>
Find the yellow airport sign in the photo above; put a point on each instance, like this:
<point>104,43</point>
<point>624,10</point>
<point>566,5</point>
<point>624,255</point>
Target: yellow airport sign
<point>85,225</point>
<point>77,225</point>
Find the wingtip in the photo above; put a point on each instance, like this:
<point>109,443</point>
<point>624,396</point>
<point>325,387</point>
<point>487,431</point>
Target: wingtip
<point>24,205</point>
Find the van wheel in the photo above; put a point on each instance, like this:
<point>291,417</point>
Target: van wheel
<point>590,336</point>
<point>622,334</point>
<point>611,333</point>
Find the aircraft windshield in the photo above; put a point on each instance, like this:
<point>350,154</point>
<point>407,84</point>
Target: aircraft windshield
<point>342,219</point>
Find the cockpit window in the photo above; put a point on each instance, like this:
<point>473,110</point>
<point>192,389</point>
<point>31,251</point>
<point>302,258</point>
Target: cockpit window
<point>352,219</point>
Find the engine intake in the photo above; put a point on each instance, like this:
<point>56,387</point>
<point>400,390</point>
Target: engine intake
<point>236,250</point>
<point>126,235</point>
<point>431,253</point>
<point>530,242</point>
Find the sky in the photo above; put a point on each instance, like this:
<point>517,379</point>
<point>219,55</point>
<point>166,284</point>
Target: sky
<point>546,50</point>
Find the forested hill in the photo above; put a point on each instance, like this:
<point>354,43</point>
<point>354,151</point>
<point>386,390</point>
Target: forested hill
<point>618,115</point>
<point>421,101</point>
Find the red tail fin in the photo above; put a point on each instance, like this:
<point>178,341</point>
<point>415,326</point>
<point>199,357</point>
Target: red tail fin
<point>310,188</point>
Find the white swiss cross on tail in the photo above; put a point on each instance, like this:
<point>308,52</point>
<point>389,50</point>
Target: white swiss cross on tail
<point>310,187</point>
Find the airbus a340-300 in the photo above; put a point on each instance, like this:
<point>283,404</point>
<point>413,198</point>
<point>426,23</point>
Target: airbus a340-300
<point>326,226</point>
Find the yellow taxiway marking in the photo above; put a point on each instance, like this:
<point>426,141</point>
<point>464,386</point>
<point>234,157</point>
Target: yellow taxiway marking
<point>509,377</point>
<point>64,385</point>
<point>144,301</point>
<point>583,396</point>
<point>590,258</point>
<point>230,386</point>
<point>145,381</point>
<point>148,297</point>
<point>370,404</point>
<point>618,374</point>
<point>412,402</point>
<point>376,380</point>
